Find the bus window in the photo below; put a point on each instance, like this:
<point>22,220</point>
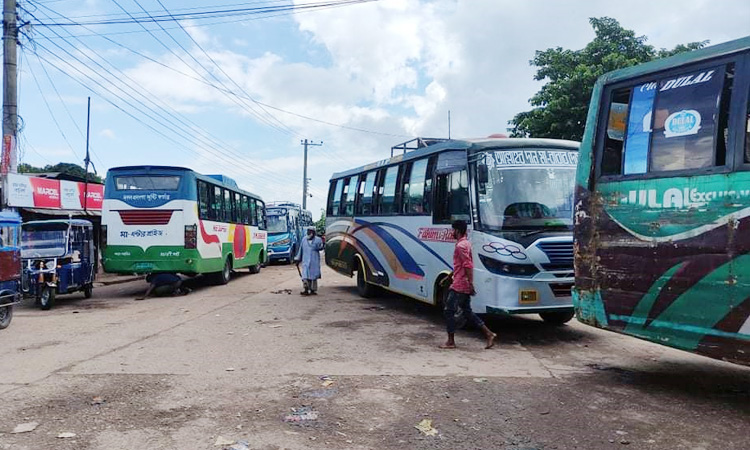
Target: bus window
<point>428,185</point>
<point>334,201</point>
<point>253,217</point>
<point>350,192</point>
<point>388,193</point>
<point>674,123</point>
<point>233,203</point>
<point>261,213</point>
<point>451,198</point>
<point>203,202</point>
<point>245,211</point>
<point>365,205</point>
<point>685,124</point>
<point>218,205</point>
<point>615,135</point>
<point>227,206</point>
<point>416,186</point>
<point>747,133</point>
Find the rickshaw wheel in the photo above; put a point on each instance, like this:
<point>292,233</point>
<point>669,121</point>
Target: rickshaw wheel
<point>88,291</point>
<point>6,314</point>
<point>47,298</point>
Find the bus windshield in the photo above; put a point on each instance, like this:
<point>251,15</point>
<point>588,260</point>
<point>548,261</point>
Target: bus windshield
<point>527,194</point>
<point>277,224</point>
<point>147,182</point>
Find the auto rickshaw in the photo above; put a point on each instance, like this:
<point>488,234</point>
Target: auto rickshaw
<point>59,257</point>
<point>10,265</point>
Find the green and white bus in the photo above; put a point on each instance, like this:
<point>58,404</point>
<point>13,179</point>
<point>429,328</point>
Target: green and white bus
<point>174,220</point>
<point>662,233</point>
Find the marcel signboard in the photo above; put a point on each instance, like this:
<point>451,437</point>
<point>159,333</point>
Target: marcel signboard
<point>32,192</point>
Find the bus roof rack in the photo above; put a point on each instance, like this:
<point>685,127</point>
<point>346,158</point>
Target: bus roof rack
<point>416,143</point>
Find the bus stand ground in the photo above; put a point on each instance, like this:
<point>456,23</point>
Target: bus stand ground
<point>254,365</point>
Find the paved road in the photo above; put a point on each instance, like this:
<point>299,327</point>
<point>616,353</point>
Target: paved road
<point>234,361</point>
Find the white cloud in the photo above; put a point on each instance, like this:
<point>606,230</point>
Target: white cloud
<point>107,133</point>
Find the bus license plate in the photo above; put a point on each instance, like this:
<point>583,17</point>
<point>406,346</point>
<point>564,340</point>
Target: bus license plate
<point>143,265</point>
<point>528,296</point>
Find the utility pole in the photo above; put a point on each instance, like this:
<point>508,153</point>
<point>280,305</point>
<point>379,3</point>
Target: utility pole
<point>305,180</point>
<point>10,88</point>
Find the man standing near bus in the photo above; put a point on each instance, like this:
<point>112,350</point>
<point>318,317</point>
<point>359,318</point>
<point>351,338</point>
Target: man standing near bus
<point>309,255</point>
<point>462,288</point>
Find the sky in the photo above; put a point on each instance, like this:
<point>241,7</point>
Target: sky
<point>237,95</point>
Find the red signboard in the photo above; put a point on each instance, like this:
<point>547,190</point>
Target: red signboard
<point>46,193</point>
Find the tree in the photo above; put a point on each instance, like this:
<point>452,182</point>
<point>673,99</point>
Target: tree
<point>560,107</point>
<point>66,168</point>
<point>320,225</point>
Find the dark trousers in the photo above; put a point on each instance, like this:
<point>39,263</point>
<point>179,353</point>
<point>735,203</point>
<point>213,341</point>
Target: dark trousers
<point>458,303</point>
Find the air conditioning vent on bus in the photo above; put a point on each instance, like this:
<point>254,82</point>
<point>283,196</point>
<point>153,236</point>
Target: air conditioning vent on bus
<point>146,217</point>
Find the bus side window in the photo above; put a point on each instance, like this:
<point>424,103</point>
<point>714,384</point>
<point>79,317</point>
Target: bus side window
<point>427,201</point>
<point>388,191</point>
<point>203,202</point>
<point>614,138</point>
<point>218,205</point>
<point>350,192</point>
<point>253,218</point>
<point>360,194</point>
<point>260,209</point>
<point>415,198</point>
<point>366,202</point>
<point>244,210</point>
<point>227,206</point>
<point>337,191</point>
<point>747,133</point>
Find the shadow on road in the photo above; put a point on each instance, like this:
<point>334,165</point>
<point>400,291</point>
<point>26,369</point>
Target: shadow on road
<point>528,330</point>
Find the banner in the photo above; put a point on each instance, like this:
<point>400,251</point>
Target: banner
<point>32,192</point>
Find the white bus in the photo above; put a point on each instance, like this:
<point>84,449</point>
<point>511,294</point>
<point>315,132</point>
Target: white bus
<point>172,219</point>
<point>389,223</point>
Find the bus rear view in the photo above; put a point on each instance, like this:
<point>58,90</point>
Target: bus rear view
<point>662,203</point>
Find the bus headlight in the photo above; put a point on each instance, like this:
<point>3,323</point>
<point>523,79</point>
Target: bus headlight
<point>281,242</point>
<point>503,268</point>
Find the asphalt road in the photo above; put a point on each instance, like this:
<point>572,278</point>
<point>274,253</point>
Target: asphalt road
<point>254,361</point>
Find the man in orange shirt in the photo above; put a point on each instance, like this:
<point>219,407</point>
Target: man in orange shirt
<point>462,288</point>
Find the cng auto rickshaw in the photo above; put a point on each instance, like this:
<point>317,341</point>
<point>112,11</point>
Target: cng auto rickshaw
<point>59,257</point>
<point>10,265</point>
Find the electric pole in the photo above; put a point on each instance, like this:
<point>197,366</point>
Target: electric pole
<point>306,143</point>
<point>10,88</point>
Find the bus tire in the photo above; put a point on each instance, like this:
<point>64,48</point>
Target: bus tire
<point>223,277</point>
<point>365,289</point>
<point>47,298</point>
<point>6,315</point>
<point>88,291</point>
<point>557,318</point>
<point>256,267</point>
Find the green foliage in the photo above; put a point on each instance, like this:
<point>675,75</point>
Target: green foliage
<point>320,224</point>
<point>66,168</point>
<point>560,107</point>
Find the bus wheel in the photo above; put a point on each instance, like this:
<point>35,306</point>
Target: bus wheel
<point>557,318</point>
<point>256,268</point>
<point>365,289</point>
<point>88,291</point>
<point>223,276</point>
<point>6,314</point>
<point>47,298</point>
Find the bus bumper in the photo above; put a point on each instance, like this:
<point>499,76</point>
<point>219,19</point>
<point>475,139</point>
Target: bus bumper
<point>527,310</point>
<point>278,254</point>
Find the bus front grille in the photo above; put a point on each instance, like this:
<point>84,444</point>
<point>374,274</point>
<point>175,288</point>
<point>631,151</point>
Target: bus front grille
<point>561,289</point>
<point>560,255</point>
<point>146,217</point>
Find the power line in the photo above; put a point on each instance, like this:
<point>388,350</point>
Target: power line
<point>211,14</point>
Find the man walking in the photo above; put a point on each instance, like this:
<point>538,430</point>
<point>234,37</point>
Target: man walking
<point>309,255</point>
<point>462,288</point>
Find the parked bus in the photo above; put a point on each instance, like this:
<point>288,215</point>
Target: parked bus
<point>662,203</point>
<point>287,222</point>
<point>390,222</point>
<point>172,219</point>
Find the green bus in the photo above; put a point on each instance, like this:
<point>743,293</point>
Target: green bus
<point>662,233</point>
